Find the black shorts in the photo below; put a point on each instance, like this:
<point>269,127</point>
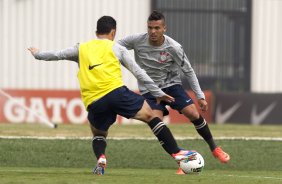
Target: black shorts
<point>182,99</point>
<point>121,101</point>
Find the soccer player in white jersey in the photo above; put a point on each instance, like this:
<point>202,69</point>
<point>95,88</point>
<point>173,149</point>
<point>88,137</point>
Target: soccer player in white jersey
<point>104,93</point>
<point>162,58</point>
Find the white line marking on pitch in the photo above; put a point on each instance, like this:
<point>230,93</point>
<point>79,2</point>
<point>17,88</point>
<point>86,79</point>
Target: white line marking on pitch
<point>141,138</point>
<point>253,177</point>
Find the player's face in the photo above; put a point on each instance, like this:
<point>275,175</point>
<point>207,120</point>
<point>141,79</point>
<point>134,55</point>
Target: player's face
<point>156,29</point>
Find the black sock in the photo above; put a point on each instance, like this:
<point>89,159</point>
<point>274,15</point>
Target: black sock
<point>164,135</point>
<point>99,145</point>
<point>203,129</point>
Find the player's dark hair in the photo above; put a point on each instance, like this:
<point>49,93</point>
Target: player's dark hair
<point>105,24</point>
<point>155,15</point>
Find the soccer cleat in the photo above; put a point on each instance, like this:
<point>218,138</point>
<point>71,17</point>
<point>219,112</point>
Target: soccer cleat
<point>221,155</point>
<point>183,154</point>
<point>179,171</point>
<point>100,167</point>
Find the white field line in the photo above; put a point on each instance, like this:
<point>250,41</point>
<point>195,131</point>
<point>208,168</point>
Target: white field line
<point>250,177</point>
<point>141,138</point>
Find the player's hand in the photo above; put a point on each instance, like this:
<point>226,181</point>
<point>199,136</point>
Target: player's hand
<point>33,50</point>
<point>165,98</point>
<point>203,104</point>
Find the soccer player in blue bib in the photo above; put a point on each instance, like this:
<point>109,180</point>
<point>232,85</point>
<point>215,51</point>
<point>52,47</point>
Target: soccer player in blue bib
<point>104,94</point>
<point>162,58</point>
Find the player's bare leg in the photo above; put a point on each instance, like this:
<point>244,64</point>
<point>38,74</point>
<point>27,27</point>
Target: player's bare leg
<point>158,113</point>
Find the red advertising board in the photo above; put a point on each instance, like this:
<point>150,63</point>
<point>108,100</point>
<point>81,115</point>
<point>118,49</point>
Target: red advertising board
<point>61,106</point>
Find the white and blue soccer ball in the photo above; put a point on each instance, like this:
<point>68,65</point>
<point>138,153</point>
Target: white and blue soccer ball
<point>193,165</point>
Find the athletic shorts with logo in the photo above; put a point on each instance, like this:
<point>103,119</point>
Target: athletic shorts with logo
<point>121,101</point>
<point>182,99</point>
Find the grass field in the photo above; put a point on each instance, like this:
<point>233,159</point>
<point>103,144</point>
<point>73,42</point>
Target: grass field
<point>132,176</point>
<point>30,160</point>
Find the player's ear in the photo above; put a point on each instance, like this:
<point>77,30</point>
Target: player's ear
<point>164,25</point>
<point>164,28</point>
<point>113,33</point>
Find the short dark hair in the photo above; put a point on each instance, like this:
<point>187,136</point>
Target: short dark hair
<point>105,24</point>
<point>155,15</point>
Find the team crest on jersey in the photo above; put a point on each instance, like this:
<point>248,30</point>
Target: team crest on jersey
<point>164,57</point>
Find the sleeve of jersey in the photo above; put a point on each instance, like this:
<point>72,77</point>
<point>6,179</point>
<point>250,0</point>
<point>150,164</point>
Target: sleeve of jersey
<point>127,41</point>
<point>70,53</point>
<point>188,71</point>
<point>140,74</point>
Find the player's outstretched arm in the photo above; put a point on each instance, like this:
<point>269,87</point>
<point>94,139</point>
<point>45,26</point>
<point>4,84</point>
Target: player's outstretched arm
<point>70,53</point>
<point>33,50</point>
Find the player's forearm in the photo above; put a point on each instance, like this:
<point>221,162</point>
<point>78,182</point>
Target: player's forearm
<point>47,56</point>
<point>150,85</point>
<point>193,80</point>
<point>194,84</point>
<point>141,76</point>
<point>70,53</point>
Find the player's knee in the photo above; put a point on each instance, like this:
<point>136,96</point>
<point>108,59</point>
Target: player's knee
<point>193,115</point>
<point>145,114</point>
<point>148,116</point>
<point>191,112</point>
<point>97,132</point>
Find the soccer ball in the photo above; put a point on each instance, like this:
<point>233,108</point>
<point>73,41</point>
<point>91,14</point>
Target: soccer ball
<point>193,165</point>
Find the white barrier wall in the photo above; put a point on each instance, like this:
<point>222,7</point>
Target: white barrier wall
<point>56,24</point>
<point>266,63</point>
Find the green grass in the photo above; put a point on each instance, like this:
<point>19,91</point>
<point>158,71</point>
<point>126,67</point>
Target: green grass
<point>133,176</point>
<point>142,130</point>
<point>136,161</point>
<point>246,155</point>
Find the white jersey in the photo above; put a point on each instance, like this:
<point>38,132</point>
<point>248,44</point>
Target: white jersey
<point>162,63</point>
